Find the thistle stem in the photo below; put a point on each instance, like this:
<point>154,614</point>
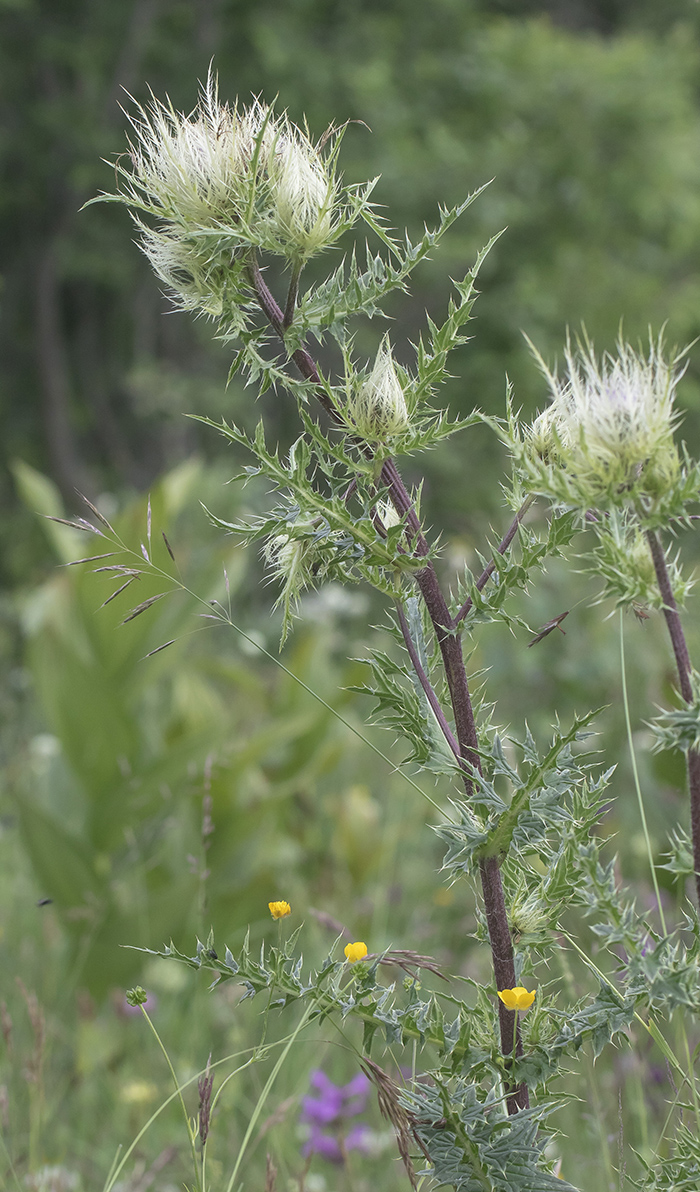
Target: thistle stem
<point>517,1096</point>
<point>449,641</point>
<point>273,313</point>
<point>501,548</point>
<point>683,665</point>
<point>445,630</point>
<point>425,682</point>
<point>292,295</point>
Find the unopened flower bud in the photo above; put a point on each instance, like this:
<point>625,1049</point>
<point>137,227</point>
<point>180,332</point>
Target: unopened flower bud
<point>302,193</point>
<point>295,558</point>
<point>378,410</point>
<point>287,556</point>
<point>540,439</point>
<point>387,514</point>
<point>136,996</point>
<point>641,564</point>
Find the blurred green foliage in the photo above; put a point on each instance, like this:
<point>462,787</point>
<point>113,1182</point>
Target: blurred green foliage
<point>182,789</point>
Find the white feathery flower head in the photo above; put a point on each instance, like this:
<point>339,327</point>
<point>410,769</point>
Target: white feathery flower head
<point>189,169</point>
<point>258,130</point>
<point>611,424</point>
<point>285,555</point>
<point>219,182</point>
<point>303,191</point>
<point>291,556</point>
<point>387,514</point>
<point>378,410</point>
<point>189,273</point>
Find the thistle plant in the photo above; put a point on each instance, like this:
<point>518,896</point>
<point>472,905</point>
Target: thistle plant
<point>230,191</point>
<point>604,448</point>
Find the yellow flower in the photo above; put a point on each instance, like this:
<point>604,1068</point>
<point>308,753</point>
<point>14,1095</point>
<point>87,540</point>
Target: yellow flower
<point>279,910</point>
<point>355,952</point>
<point>517,999</point>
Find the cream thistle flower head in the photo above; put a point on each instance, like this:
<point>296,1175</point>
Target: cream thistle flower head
<point>355,952</point>
<point>291,560</point>
<point>518,998</point>
<point>295,563</point>
<point>387,514</point>
<point>610,425</point>
<point>221,182</point>
<point>377,410</point>
<point>279,910</point>
<point>303,193</point>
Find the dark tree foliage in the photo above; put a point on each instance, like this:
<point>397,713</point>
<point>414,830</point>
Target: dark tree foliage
<point>592,141</point>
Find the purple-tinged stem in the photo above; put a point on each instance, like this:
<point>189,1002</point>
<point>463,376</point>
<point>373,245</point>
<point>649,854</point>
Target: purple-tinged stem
<point>501,548</point>
<point>292,295</point>
<point>425,682</point>
<point>683,665</point>
<point>449,641</point>
<point>445,631</point>
<point>303,360</point>
<point>517,1097</point>
<point>448,638</point>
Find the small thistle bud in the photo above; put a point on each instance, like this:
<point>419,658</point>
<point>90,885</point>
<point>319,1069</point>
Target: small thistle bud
<point>641,564</point>
<point>291,560</point>
<point>540,437</point>
<point>378,411</point>
<point>297,562</point>
<point>623,561</point>
<point>529,915</point>
<point>387,515</point>
<point>303,195</point>
<point>610,425</point>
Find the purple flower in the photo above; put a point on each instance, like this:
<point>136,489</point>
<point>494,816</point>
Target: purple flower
<point>326,1115</point>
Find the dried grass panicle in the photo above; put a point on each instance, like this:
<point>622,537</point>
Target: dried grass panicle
<point>6,1026</point>
<point>34,1065</point>
<point>391,1109</point>
<point>411,962</point>
<point>204,1088</point>
<point>270,1175</point>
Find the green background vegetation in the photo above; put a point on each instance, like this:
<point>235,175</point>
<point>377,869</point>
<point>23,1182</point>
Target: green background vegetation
<point>586,115</point>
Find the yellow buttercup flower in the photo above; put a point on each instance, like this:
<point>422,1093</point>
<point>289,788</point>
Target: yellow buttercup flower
<point>517,999</point>
<point>279,910</point>
<point>355,952</point>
